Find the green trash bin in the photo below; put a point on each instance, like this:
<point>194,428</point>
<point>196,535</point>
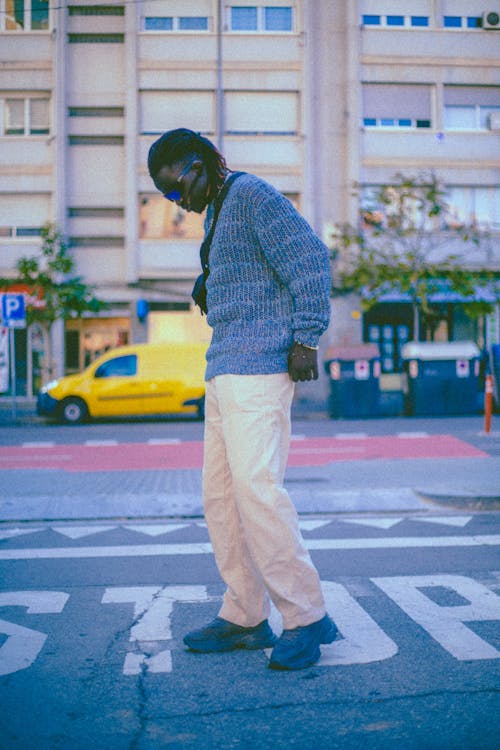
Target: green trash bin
<point>354,381</point>
<point>441,378</point>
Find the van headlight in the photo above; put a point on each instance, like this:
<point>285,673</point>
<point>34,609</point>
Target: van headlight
<point>49,386</point>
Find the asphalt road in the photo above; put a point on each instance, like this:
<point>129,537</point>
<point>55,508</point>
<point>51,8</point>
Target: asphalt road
<point>93,618</point>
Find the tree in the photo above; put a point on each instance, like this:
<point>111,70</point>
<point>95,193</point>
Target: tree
<point>53,293</point>
<point>408,241</point>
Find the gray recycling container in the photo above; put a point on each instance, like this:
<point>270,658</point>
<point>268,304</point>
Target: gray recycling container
<point>354,373</point>
<point>441,378</point>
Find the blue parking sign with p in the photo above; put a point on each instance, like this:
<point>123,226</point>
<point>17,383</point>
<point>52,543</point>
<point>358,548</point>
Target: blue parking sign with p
<point>13,310</point>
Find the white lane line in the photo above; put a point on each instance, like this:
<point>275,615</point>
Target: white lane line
<point>163,441</point>
<point>350,435</point>
<point>39,444</point>
<point>97,443</point>
<point>204,548</point>
<point>412,434</point>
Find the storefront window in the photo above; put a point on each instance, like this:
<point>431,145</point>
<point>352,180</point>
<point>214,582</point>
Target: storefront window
<point>162,219</point>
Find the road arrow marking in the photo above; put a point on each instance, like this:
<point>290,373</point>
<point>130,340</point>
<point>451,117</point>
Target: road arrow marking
<point>77,532</point>
<point>445,520</point>
<point>157,529</point>
<point>377,523</point>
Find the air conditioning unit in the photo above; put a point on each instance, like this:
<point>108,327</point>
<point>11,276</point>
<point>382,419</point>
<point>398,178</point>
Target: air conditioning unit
<point>494,120</point>
<point>491,20</point>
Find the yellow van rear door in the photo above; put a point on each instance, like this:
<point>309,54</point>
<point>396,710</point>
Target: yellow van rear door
<point>117,389</point>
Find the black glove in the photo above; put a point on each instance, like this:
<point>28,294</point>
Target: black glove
<point>302,363</point>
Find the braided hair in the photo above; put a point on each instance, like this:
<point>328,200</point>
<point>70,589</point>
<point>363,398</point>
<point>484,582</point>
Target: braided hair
<point>178,145</point>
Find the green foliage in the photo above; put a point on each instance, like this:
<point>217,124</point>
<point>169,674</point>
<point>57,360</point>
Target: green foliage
<point>400,244</point>
<point>54,292</point>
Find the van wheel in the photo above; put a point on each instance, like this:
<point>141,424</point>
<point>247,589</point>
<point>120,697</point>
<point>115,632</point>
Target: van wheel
<point>73,411</point>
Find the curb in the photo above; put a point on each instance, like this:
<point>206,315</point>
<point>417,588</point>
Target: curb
<point>462,502</point>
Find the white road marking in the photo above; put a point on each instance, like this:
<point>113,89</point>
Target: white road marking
<point>312,524</point>
<point>350,435</point>
<point>362,640</point>
<point>23,645</point>
<point>157,529</point>
<point>446,623</point>
<point>153,607</point>
<point>164,441</point>
<point>204,548</point>
<point>377,523</point>
<point>9,533</point>
<point>39,444</point>
<point>97,443</point>
<point>460,521</point>
<point>412,434</point>
<point>77,532</point>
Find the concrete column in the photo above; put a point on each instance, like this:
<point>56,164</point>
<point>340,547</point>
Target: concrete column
<point>131,144</point>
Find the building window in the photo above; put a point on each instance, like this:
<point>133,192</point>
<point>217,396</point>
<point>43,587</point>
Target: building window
<point>96,213</point>
<point>96,38</point>
<point>24,15</point>
<point>96,10</point>
<point>392,122</point>
<point>419,20</point>
<point>163,110</point>
<point>162,219</point>
<point>174,23</point>
<point>262,112</point>
<point>23,117</point>
<point>390,105</point>
<point>471,107</point>
<point>473,206</point>
<point>269,18</point>
<point>394,21</point>
<point>452,22</point>
<point>96,111</point>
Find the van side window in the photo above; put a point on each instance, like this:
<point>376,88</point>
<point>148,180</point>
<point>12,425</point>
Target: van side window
<point>126,365</point>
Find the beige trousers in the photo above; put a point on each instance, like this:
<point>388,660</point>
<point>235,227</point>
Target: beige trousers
<point>251,520</point>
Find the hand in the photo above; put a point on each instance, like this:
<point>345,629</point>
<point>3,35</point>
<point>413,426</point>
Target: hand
<point>302,363</point>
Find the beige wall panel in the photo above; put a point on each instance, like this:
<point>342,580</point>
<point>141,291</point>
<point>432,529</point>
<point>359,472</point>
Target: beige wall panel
<point>23,79</point>
<point>169,258</point>
<point>432,73</point>
<point>260,80</point>
<point>27,47</point>
<point>96,74</point>
<point>433,44</point>
<point>410,146</point>
<point>96,176</point>
<point>100,265</point>
<point>264,48</point>
<point>182,80</point>
<point>26,151</point>
<point>248,152</point>
<point>177,47</point>
<point>12,251</point>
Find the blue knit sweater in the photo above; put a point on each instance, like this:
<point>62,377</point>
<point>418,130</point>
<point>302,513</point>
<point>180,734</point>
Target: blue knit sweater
<point>269,282</point>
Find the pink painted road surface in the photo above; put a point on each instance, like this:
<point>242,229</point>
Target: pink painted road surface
<point>189,455</point>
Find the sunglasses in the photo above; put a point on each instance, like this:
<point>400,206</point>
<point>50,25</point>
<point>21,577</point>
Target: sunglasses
<point>176,194</point>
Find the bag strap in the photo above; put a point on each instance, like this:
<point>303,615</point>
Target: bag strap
<point>205,245</point>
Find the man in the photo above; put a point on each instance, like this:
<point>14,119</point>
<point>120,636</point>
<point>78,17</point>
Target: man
<point>268,303</point>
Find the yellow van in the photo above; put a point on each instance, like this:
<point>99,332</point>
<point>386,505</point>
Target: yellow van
<point>129,381</point>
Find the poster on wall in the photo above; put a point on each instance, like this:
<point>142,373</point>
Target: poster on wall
<point>4,359</point>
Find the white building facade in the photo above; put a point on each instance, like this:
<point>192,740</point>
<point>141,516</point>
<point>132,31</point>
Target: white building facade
<point>312,95</point>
